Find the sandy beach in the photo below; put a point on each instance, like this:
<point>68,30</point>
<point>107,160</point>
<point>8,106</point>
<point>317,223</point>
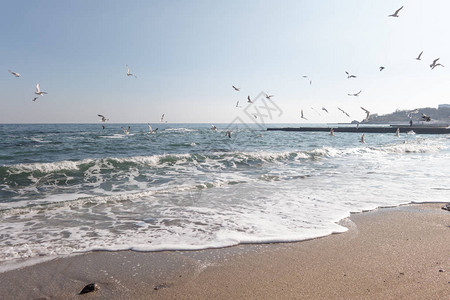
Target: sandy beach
<point>389,253</point>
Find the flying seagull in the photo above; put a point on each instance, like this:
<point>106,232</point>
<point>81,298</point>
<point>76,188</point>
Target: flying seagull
<point>130,74</point>
<point>103,118</point>
<point>332,132</point>
<point>34,99</point>
<point>355,95</point>
<point>126,131</point>
<point>396,13</point>
<point>323,108</point>
<point>269,96</point>
<point>249,100</point>
<point>435,64</point>
<point>301,115</point>
<point>416,111</point>
<point>162,118</point>
<point>344,112</point>
<point>363,140</point>
<point>150,129</point>
<point>307,78</point>
<point>235,88</point>
<point>367,113</point>
<point>14,73</point>
<point>418,57</point>
<point>38,91</point>
<point>213,127</point>
<point>349,75</point>
<point>381,68</point>
<point>426,117</point>
<point>228,134</point>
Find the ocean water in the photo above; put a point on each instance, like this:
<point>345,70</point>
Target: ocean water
<point>73,188</point>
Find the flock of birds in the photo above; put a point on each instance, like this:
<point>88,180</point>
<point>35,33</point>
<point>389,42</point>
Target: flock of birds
<point>103,119</point>
<point>424,117</point>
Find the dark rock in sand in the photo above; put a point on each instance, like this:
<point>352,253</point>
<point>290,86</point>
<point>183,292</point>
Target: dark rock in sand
<point>91,287</point>
<point>446,206</point>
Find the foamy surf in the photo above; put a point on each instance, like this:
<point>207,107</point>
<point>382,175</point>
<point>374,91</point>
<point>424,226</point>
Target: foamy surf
<point>191,188</point>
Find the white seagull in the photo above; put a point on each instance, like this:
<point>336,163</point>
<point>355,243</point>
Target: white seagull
<point>307,78</point>
<point>349,75</point>
<point>396,13</point>
<point>426,117</point>
<point>344,112</point>
<point>228,134</point>
<point>367,113</point>
<point>126,131</point>
<point>418,57</point>
<point>130,74</point>
<point>150,129</point>
<point>301,115</point>
<point>355,95</point>
<point>14,73</point>
<point>363,139</point>
<point>38,91</point>
<point>103,118</point>
<point>213,127</point>
<point>268,96</point>
<point>434,64</point>
<point>162,118</point>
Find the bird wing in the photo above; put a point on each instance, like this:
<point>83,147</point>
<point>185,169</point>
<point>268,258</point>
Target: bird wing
<point>358,93</point>
<point>364,109</point>
<point>396,12</point>
<point>101,116</point>
<point>418,57</point>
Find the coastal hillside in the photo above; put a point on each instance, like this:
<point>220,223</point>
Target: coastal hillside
<point>438,115</point>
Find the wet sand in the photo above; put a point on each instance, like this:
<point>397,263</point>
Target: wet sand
<point>389,253</point>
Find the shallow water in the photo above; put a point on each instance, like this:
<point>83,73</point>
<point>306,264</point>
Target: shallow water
<point>76,187</point>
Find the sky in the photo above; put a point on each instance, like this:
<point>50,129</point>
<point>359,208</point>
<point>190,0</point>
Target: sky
<point>188,54</point>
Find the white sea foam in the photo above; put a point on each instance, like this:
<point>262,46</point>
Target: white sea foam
<point>210,199</point>
<point>180,130</point>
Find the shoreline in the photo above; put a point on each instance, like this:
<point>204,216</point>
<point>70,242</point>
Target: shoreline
<point>396,252</point>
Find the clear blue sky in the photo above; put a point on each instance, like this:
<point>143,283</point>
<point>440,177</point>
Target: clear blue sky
<point>187,54</point>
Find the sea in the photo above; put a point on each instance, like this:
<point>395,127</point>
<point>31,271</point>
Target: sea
<point>71,188</point>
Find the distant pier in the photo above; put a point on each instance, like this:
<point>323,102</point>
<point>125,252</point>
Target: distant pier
<point>370,129</point>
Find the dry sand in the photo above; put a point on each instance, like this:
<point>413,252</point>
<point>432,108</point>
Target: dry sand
<point>390,253</point>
